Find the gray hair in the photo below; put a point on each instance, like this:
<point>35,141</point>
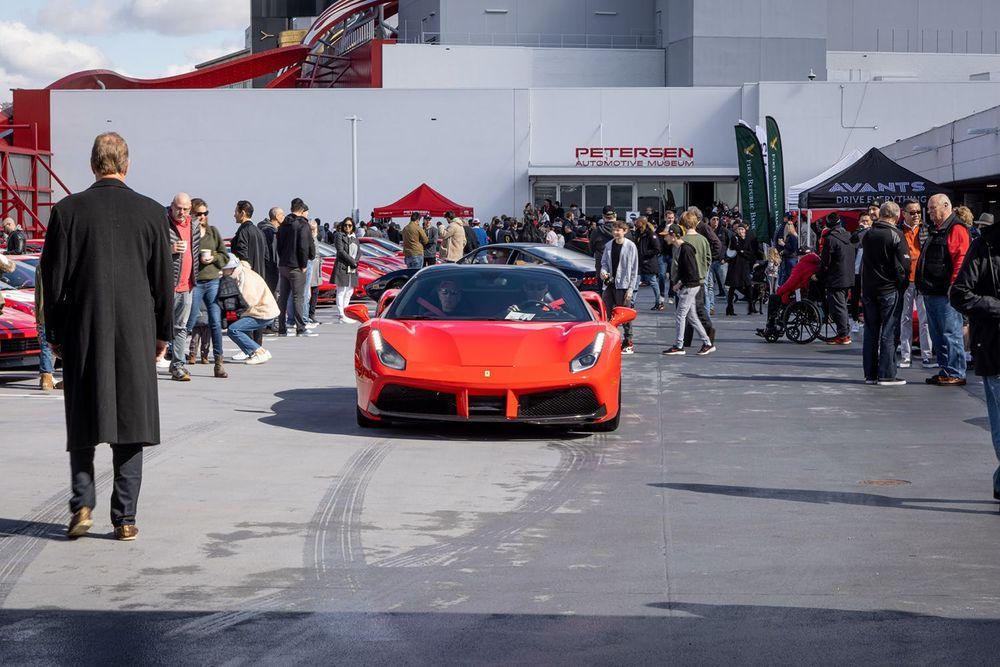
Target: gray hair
<point>889,211</point>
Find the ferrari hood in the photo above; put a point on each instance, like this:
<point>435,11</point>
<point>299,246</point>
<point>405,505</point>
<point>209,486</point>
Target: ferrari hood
<point>496,344</point>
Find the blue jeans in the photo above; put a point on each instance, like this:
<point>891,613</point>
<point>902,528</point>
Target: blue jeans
<point>991,386</point>
<point>718,273</point>
<point>207,291</point>
<point>46,363</point>
<point>945,324</point>
<point>785,270</point>
<point>661,277</point>
<point>654,282</point>
<point>414,262</point>
<point>240,330</point>
<point>881,325</point>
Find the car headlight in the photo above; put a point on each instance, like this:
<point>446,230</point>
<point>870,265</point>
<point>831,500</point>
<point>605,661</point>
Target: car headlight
<point>587,359</point>
<point>387,354</point>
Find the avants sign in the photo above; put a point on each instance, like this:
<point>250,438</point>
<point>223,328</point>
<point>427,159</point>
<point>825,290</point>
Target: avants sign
<point>635,156</point>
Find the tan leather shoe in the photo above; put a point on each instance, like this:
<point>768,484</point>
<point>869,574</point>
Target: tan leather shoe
<point>191,360</point>
<point>126,533</point>
<point>45,382</point>
<point>220,370</point>
<point>79,524</point>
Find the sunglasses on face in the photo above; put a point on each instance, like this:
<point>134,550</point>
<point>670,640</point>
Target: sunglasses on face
<point>913,213</point>
<point>201,214</point>
<point>449,291</point>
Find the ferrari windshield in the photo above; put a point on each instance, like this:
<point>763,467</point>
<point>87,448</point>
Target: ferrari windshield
<point>477,292</point>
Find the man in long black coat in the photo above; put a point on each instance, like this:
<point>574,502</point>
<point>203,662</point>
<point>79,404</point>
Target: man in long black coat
<point>108,283</point>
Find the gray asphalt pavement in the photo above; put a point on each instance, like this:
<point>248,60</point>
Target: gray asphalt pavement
<point>757,506</point>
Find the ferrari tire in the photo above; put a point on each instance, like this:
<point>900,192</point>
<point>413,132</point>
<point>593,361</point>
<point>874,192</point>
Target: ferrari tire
<point>363,421</point>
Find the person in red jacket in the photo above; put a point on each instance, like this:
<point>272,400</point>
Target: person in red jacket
<point>799,278</point>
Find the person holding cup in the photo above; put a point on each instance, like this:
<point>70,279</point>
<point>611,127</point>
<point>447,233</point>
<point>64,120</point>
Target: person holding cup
<point>212,257</point>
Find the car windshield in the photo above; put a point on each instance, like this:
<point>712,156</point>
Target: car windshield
<point>22,277</point>
<point>490,294</point>
<point>389,245</point>
<point>557,255</point>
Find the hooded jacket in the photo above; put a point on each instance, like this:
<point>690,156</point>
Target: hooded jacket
<point>257,295</point>
<point>837,260</point>
<point>976,293</point>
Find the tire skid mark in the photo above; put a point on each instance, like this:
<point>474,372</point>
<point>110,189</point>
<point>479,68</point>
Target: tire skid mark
<point>333,545</point>
<point>20,547</point>
<point>548,497</point>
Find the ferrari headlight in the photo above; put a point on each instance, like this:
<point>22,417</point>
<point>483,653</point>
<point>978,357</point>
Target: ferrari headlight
<point>387,354</point>
<point>587,359</point>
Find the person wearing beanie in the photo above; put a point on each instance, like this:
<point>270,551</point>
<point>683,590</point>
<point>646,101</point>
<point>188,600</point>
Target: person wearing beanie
<point>836,274</point>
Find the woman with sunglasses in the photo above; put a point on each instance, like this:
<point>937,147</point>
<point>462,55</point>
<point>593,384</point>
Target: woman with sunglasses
<point>213,257</point>
<point>345,271</point>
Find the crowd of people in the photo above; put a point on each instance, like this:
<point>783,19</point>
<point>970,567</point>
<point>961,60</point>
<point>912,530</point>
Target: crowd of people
<point>169,287</point>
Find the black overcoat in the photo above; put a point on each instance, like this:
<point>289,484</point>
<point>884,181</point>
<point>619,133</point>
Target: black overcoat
<point>249,245</point>
<point>108,284</point>
<point>738,275</point>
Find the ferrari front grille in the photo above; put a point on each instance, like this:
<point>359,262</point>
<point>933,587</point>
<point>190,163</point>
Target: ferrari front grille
<point>558,403</point>
<point>494,406</point>
<point>397,398</point>
<point>18,345</point>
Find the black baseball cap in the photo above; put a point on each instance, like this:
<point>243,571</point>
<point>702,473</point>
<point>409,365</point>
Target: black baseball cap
<point>608,209</point>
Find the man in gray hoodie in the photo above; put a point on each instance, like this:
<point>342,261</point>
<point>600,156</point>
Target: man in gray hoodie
<point>620,273</point>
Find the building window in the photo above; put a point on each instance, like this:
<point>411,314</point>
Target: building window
<point>543,192</point>
<point>571,194</point>
<point>621,199</point>
<point>727,192</point>
<point>596,198</point>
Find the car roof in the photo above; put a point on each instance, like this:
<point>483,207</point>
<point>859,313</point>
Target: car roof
<point>446,268</point>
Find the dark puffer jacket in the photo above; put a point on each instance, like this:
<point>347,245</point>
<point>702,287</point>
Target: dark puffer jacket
<point>837,261</point>
<point>976,293</point>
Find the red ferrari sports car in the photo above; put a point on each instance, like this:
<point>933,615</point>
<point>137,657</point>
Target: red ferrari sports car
<point>490,343</point>
<point>18,336</point>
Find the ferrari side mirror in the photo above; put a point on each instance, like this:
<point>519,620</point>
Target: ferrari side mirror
<point>359,312</point>
<point>620,316</point>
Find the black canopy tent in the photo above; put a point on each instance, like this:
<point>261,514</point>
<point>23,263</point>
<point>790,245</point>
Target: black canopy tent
<point>872,178</point>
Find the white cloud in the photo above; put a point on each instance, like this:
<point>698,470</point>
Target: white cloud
<point>35,59</point>
<point>80,17</point>
<point>166,17</point>
<point>202,54</point>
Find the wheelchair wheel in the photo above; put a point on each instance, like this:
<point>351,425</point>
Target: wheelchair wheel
<point>827,329</point>
<point>802,322</point>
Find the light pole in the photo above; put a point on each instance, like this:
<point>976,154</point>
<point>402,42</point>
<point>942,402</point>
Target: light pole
<point>354,168</point>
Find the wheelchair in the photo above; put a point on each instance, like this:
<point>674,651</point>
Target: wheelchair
<point>801,321</point>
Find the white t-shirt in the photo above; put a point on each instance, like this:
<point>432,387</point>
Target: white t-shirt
<point>552,238</point>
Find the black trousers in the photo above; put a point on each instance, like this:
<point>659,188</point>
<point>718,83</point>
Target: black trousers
<point>702,313</point>
<point>731,299</point>
<point>836,302</point>
<point>313,300</point>
<point>127,462</point>
<point>430,261</point>
<point>616,297</point>
<point>294,280</point>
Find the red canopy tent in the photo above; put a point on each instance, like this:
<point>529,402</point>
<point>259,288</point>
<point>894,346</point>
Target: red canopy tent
<point>425,200</point>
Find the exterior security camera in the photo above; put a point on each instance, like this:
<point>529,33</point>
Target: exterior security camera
<point>812,75</point>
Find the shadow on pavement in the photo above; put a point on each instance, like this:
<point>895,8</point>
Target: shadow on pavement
<point>772,378</point>
<point>35,529</point>
<point>830,497</point>
<point>331,410</point>
<point>665,633</point>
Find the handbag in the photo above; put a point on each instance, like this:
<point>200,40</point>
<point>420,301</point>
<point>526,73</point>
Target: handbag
<point>730,253</point>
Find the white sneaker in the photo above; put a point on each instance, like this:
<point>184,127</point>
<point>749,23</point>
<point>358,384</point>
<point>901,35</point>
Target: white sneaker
<point>895,382</point>
<point>268,353</point>
<point>905,363</point>
<point>259,357</point>
<point>855,327</point>
<point>929,363</point>
<point>240,356</point>
<point>163,364</point>
<point>312,325</point>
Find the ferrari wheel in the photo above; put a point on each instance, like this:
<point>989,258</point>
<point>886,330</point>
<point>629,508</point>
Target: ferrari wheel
<point>365,422</point>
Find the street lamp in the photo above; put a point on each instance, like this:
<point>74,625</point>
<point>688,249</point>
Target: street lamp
<point>354,168</point>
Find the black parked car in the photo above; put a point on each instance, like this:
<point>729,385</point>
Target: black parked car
<point>578,267</point>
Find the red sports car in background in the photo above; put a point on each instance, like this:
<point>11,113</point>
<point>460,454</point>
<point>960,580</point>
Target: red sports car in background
<point>18,286</point>
<point>489,343</point>
<point>18,335</point>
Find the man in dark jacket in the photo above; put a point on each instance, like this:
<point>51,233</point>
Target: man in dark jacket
<point>108,314</point>
<point>17,241</point>
<point>295,250</point>
<point>248,244</point>
<point>885,274</point>
<point>431,246</point>
<point>836,274</point>
<point>941,257</point>
<point>976,293</point>
<point>269,229</point>
<point>601,235</point>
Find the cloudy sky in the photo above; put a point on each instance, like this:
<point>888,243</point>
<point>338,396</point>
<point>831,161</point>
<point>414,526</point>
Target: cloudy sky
<point>43,40</point>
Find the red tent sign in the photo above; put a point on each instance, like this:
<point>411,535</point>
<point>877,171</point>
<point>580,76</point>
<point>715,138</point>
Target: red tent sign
<point>424,200</point>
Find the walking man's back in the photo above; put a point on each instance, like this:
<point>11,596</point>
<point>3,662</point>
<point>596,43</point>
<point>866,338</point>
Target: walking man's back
<point>108,283</point>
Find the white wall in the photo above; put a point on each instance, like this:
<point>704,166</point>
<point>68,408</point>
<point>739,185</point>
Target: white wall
<point>270,146</point>
<point>865,66</point>
<point>431,66</point>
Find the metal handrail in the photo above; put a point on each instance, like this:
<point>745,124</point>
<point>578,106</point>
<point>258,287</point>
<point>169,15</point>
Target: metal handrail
<point>643,40</point>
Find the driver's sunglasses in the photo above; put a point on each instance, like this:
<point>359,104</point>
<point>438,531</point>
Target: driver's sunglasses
<point>448,291</point>
<point>200,214</point>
